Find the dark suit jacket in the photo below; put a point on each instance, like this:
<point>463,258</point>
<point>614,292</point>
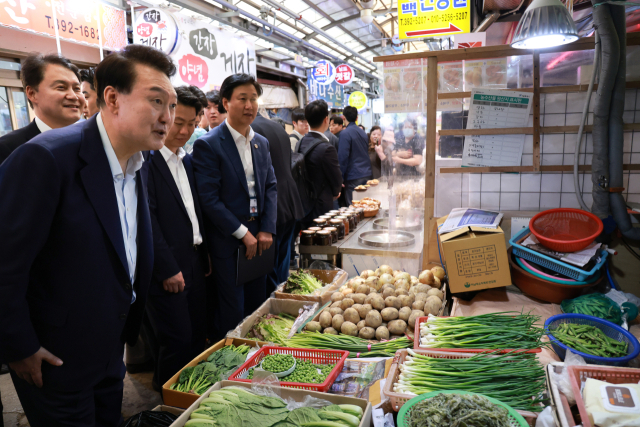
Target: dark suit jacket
<point>354,153</point>
<point>64,279</point>
<point>13,140</point>
<point>224,194</point>
<point>322,165</point>
<point>289,204</point>
<point>172,229</point>
<point>333,139</point>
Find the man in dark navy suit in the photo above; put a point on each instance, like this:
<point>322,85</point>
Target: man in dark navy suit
<point>52,86</point>
<point>238,196</point>
<point>177,298</point>
<point>77,250</point>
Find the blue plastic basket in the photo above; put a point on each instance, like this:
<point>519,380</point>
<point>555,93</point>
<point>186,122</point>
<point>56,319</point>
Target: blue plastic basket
<point>554,264</point>
<point>610,329</point>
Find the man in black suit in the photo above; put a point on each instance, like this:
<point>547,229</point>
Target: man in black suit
<point>76,262</point>
<point>289,204</point>
<point>321,159</point>
<point>177,303</point>
<point>52,86</point>
<point>336,125</point>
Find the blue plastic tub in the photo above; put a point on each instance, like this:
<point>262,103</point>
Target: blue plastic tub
<point>610,329</point>
<point>554,264</point>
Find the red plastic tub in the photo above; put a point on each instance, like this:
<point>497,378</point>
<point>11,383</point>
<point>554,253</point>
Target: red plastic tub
<point>566,230</point>
<point>319,357</point>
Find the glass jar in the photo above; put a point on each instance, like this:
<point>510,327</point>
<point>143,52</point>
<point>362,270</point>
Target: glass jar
<point>360,213</point>
<point>319,222</point>
<point>306,238</point>
<point>329,215</point>
<point>345,222</point>
<point>337,223</point>
<point>322,238</point>
<point>325,217</point>
<point>352,222</point>
<point>334,234</point>
<point>335,212</point>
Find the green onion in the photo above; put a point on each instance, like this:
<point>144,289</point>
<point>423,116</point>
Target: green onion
<point>357,347</point>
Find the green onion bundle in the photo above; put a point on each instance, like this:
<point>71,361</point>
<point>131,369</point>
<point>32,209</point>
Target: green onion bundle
<point>516,379</point>
<point>357,347</point>
<point>505,330</point>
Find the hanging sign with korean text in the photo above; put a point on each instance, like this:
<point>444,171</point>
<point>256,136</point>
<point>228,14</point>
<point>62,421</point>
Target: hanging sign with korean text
<point>324,73</point>
<point>358,100</point>
<point>429,18</point>
<point>156,28</point>
<point>77,20</point>
<point>344,74</point>
<point>332,93</point>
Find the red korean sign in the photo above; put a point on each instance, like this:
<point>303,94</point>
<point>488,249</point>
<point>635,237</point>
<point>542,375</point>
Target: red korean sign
<point>344,74</point>
<point>193,70</point>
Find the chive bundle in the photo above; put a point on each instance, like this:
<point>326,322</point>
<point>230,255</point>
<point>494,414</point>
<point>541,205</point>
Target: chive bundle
<point>354,345</point>
<point>516,379</point>
<point>505,330</point>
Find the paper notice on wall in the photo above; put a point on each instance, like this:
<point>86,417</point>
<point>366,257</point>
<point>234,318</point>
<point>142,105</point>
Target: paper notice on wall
<point>493,109</point>
<point>486,73</point>
<point>450,76</point>
<point>403,85</point>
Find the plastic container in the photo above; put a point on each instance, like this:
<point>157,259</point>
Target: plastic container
<point>283,373</point>
<point>551,263</point>
<point>580,373</point>
<point>399,399</point>
<point>319,357</point>
<point>566,230</point>
<point>416,342</point>
<point>522,263</point>
<point>610,329</point>
<point>515,419</point>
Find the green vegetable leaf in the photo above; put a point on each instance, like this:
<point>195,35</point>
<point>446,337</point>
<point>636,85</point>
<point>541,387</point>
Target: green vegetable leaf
<point>185,375</point>
<point>332,408</point>
<point>303,415</point>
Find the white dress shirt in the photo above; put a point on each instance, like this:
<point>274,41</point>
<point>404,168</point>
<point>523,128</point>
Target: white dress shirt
<point>179,174</point>
<point>243,143</point>
<point>321,134</point>
<point>127,197</point>
<point>42,126</point>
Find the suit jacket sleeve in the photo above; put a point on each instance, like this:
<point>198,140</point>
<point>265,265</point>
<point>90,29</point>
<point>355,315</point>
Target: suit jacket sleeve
<point>206,168</point>
<point>29,190</point>
<point>270,215</point>
<point>344,149</point>
<point>164,263</point>
<point>332,171</point>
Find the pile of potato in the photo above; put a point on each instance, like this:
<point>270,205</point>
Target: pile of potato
<point>380,304</point>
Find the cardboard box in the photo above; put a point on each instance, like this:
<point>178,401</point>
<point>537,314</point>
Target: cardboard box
<point>476,258</point>
<point>286,393</point>
<point>336,278</point>
<point>180,399</point>
<point>170,409</point>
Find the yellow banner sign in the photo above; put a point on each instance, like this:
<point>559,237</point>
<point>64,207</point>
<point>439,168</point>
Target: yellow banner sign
<point>430,18</point>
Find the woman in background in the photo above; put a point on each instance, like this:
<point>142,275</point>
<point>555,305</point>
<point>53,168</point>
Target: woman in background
<point>407,154</point>
<point>374,140</point>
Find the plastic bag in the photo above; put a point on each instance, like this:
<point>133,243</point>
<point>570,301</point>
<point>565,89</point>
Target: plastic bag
<point>562,381</point>
<point>265,383</point>
<point>151,419</point>
<point>594,305</point>
<point>545,418</point>
<point>304,314</point>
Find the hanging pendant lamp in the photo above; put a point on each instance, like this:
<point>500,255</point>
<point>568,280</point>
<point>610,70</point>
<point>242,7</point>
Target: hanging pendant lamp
<point>545,23</point>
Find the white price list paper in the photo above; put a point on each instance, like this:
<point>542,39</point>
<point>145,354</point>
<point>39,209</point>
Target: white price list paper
<point>491,109</point>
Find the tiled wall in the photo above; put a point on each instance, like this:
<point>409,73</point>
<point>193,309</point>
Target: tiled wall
<point>539,191</point>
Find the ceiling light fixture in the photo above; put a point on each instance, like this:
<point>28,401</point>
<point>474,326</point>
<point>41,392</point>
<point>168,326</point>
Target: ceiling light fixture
<point>367,16</point>
<point>545,23</point>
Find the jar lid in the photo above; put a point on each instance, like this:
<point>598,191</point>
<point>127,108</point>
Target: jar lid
<point>341,217</point>
<point>319,220</point>
<point>331,229</point>
<point>336,221</point>
<point>324,232</point>
<point>309,231</point>
<point>314,228</point>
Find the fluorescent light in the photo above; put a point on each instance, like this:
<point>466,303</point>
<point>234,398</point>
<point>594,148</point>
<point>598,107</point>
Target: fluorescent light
<point>545,23</point>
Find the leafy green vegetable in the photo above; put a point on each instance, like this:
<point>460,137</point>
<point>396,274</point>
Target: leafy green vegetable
<point>340,417</point>
<point>445,410</point>
<point>272,328</point>
<point>302,283</point>
<point>303,415</point>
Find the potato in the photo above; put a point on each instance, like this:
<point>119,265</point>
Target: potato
<point>402,283</point>
<point>351,315</point>
<point>358,298</point>
<point>347,292</point>
<point>401,291</point>
<point>335,311</point>
<point>362,289</point>
<point>337,296</point>
<point>388,292</point>
<point>418,304</point>
<point>432,305</point>
<point>384,324</point>
<point>337,322</point>
<point>422,296</point>
<point>372,282</point>
<point>346,303</point>
<point>385,279</point>
<point>367,333</point>
<point>369,298</point>
<point>382,333</point>
<point>313,326</point>
<point>413,317</point>
<point>365,274</point>
<point>351,284</point>
<point>437,283</point>
<point>389,313</point>
<point>397,327</point>
<point>396,272</point>
<point>330,331</point>
<point>349,328</point>
<point>426,277</point>
<point>405,300</point>
<point>385,269</point>
<point>362,311</point>
<point>325,319</point>
<point>373,319</point>
<point>403,275</point>
<point>421,288</point>
<point>337,304</point>
<point>436,292</point>
<point>414,280</point>
<point>404,313</point>
<point>356,306</point>
<point>378,302</point>
<point>438,272</point>
<point>361,324</point>
<point>373,290</point>
<point>393,302</point>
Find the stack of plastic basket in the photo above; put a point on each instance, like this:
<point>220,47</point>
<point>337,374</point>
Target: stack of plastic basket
<point>561,231</point>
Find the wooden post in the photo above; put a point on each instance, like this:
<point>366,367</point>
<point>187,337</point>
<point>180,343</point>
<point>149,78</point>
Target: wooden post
<point>430,168</point>
<point>536,111</point>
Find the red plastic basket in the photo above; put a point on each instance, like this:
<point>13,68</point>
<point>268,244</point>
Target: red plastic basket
<point>416,343</point>
<point>613,375</point>
<point>566,230</point>
<point>319,357</point>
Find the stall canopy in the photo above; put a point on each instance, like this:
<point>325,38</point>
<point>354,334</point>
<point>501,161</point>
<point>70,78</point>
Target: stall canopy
<point>278,97</point>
